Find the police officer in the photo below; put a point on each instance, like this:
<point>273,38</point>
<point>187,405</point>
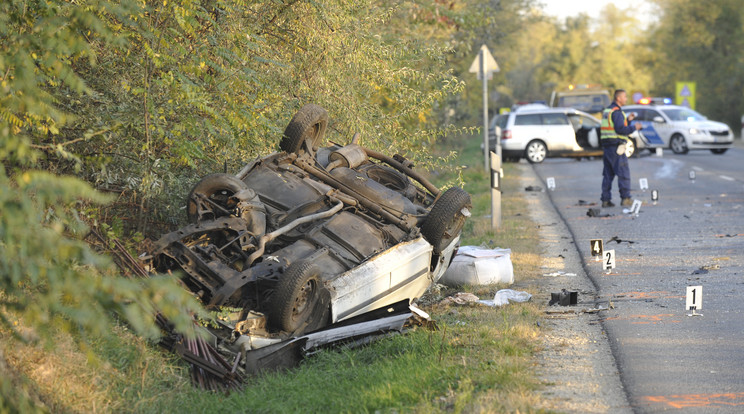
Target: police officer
<point>614,133</point>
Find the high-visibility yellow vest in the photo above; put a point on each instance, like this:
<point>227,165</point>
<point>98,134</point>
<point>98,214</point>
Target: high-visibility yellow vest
<point>607,128</point>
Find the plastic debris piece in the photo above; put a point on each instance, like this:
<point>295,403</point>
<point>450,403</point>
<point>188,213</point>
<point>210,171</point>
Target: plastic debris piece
<point>503,296</point>
<point>556,274</point>
<point>460,298</point>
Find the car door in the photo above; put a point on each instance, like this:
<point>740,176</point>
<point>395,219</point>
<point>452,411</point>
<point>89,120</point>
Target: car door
<point>659,129</point>
<point>527,127</point>
<point>586,129</point>
<point>559,132</point>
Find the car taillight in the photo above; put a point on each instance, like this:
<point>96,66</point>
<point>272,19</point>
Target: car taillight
<point>506,134</point>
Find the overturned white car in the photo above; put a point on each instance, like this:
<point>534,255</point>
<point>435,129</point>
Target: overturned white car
<point>308,237</point>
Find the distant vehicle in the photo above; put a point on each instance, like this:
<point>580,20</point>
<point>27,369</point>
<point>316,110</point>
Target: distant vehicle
<point>681,129</point>
<point>655,101</point>
<point>537,133</point>
<point>588,98</point>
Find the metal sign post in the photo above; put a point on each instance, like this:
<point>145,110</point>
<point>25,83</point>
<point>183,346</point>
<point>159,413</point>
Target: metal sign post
<point>484,65</point>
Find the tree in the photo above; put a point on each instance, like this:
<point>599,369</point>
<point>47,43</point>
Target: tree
<point>702,42</point>
<point>49,277</point>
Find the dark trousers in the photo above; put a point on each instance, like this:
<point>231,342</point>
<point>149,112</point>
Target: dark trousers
<point>615,165</point>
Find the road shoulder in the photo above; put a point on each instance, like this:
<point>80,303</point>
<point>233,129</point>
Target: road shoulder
<point>575,364</point>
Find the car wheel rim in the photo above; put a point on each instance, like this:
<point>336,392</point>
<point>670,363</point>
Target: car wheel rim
<point>536,152</point>
<point>302,302</point>
<point>678,144</point>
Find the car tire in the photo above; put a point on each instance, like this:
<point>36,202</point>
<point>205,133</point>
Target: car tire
<point>294,304</point>
<point>305,131</point>
<point>446,218</point>
<point>218,188</point>
<point>719,151</point>
<point>536,151</point>
<point>678,144</point>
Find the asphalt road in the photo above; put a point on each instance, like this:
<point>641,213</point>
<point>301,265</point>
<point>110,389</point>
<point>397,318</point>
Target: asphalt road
<point>692,236</point>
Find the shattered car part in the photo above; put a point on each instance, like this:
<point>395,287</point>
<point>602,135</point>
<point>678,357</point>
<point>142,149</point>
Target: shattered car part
<point>564,298</point>
<point>306,238</point>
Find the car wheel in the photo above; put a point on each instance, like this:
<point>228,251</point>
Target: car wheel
<point>208,199</point>
<point>719,151</point>
<point>305,131</point>
<point>446,218</point>
<point>630,149</point>
<point>296,304</point>
<point>678,144</point>
<point>536,152</point>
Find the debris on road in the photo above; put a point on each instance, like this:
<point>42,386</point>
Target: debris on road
<point>619,240</point>
<point>559,273</point>
<point>704,269</point>
<point>596,212</point>
<point>564,298</point>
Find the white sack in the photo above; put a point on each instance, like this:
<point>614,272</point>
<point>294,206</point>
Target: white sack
<point>477,266</point>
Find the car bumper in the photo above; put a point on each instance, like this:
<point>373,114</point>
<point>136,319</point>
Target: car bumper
<point>706,141</point>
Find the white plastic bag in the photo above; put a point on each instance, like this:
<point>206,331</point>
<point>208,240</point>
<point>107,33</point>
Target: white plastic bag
<point>503,296</point>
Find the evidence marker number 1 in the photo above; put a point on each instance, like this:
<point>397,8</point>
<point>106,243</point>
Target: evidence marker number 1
<point>694,300</point>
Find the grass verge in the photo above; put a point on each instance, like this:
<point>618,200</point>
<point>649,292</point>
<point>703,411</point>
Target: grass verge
<point>480,359</point>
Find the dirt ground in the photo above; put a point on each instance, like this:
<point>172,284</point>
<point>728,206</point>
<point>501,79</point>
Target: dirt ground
<point>576,363</point>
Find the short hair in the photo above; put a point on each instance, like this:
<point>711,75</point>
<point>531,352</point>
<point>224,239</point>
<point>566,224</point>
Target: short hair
<point>618,92</point>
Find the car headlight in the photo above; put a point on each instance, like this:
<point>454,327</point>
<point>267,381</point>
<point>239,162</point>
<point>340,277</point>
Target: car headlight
<point>694,131</point>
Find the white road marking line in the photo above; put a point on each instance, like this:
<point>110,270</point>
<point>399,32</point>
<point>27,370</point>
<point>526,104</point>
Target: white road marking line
<point>698,169</point>
<point>727,178</point>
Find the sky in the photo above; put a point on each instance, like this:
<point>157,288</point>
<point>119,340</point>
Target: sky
<point>566,8</point>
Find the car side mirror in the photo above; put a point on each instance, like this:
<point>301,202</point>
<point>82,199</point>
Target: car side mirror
<point>659,119</point>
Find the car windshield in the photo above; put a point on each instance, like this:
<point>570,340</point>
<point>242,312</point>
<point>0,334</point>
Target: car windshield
<point>586,103</point>
<point>683,114</point>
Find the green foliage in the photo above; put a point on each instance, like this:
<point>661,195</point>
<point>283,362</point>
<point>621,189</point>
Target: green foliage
<point>701,42</point>
<point>51,278</point>
<point>165,92</point>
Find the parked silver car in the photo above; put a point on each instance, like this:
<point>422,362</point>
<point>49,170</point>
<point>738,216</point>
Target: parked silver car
<point>538,132</point>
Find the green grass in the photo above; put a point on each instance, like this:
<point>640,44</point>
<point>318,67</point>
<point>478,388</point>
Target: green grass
<point>479,360</point>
